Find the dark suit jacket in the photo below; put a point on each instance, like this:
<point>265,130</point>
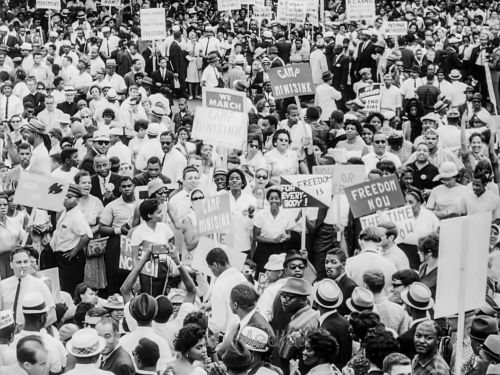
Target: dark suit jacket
<point>87,162</point>
<point>95,190</point>
<point>119,363</point>
<point>338,326</point>
<point>38,101</point>
<point>160,82</point>
<point>178,60</point>
<point>406,342</point>
<point>340,70</point>
<point>364,59</point>
<point>142,179</point>
<point>124,62</point>
<point>347,285</point>
<point>69,108</point>
<point>407,57</point>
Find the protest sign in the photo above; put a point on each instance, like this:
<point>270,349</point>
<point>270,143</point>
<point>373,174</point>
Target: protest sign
<point>247,2</point>
<point>360,10</point>
<point>370,95</point>
<point>396,28</point>
<point>281,12</point>
<point>372,196</point>
<point>40,191</point>
<point>342,175</point>
<point>111,3</point>
<point>223,5</point>
<point>312,12</point>
<point>294,80</point>
<point>153,25</point>
<point>212,214</point>
<point>220,127</point>
<point>6,319</point>
<point>306,191</point>
<point>53,275</point>
<point>48,4</point>
<point>236,258</point>
<point>129,256</point>
<point>96,246</point>
<point>296,11</point>
<point>402,217</point>
<point>463,257</point>
<point>224,99</point>
<point>262,12</point>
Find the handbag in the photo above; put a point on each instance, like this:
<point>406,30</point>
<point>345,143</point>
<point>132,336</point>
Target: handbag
<point>96,247</point>
<point>177,84</point>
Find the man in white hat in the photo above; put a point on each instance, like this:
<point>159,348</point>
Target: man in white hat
<point>328,297</point>
<point>86,346</point>
<point>274,274</point>
<point>35,311</point>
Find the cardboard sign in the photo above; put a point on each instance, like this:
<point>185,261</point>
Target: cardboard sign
<point>281,12</point>
<point>48,4</point>
<point>111,3</point>
<point>53,275</point>
<point>462,263</point>
<point>370,95</point>
<point>220,127</point>
<point>369,197</point>
<point>342,175</point>
<point>360,10</point>
<point>40,191</point>
<point>402,217</point>
<point>306,191</point>
<point>227,99</point>
<point>293,80</point>
<point>129,256</point>
<point>223,5</point>
<point>312,10</point>
<point>296,11</point>
<point>262,12</point>
<point>96,246</point>
<point>236,258</point>
<point>213,214</point>
<point>153,25</point>
<point>396,28</point>
<point>6,318</point>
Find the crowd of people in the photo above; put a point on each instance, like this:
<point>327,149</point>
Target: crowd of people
<point>86,101</point>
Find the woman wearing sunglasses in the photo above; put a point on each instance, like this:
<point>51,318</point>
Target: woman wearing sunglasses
<point>281,160</point>
<point>253,159</point>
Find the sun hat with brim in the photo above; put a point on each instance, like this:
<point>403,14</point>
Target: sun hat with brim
<point>213,58</point>
<point>143,308</point>
<point>26,46</point>
<point>34,303</point>
<point>430,116</point>
<point>155,185</point>
<point>357,102</point>
<point>455,74</point>
<point>220,171</point>
<point>158,111</point>
<point>328,294</point>
<point>259,51</point>
<point>326,76</point>
<point>491,347</point>
<point>36,126</point>
<point>116,131</point>
<point>439,106</point>
<point>273,50</point>
<point>446,170</point>
<point>147,81</point>
<point>111,94</point>
<point>361,300</point>
<point>275,262</point>
<point>69,89</point>
<point>299,287</point>
<point>240,85</point>
<point>7,83</point>
<point>237,357</point>
<point>153,129</point>
<point>418,296</point>
<point>453,113</point>
<point>482,326</point>
<point>294,255</point>
<point>115,302</point>
<point>254,339</point>
<point>176,296</point>
<point>85,343</point>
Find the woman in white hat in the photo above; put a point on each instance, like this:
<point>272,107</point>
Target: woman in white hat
<point>86,346</point>
<point>445,200</point>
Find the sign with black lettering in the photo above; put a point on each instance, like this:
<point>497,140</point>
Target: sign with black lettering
<point>293,80</point>
<point>129,256</point>
<point>306,191</point>
<point>213,214</point>
<point>342,175</point>
<point>224,99</point>
<point>402,217</point>
<point>360,10</point>
<point>369,197</point>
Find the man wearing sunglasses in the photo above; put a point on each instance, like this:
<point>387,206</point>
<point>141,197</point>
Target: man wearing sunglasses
<point>100,146</point>
<point>379,153</point>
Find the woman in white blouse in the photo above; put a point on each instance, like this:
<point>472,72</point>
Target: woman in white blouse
<point>281,160</point>
<point>271,229</point>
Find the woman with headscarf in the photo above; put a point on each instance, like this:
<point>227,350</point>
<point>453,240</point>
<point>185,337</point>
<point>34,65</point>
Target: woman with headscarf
<point>412,128</point>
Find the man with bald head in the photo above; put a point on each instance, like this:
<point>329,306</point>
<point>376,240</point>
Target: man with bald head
<point>102,180</point>
<point>428,360</point>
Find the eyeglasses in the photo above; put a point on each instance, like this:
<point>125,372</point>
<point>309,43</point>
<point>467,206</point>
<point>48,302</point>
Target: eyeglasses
<point>162,192</point>
<point>194,199</point>
<point>380,142</point>
<point>102,143</point>
<point>297,266</point>
<point>261,176</point>
<point>85,116</point>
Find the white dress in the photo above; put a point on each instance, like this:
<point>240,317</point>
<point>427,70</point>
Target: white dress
<point>193,73</point>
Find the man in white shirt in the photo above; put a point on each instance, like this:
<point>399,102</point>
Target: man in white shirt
<point>117,148</point>
<point>10,105</point>
<point>69,164</point>
<point>379,153</point>
<point>388,247</point>
<point>409,86</point>
<point>33,131</point>
<point>115,80</point>
<point>109,42</point>
<point>390,96</point>
<point>326,96</point>
<point>227,278</point>
<point>96,63</point>
<point>85,347</point>
<point>369,259</point>
<point>50,115</point>
<point>173,161</point>
<point>179,205</point>
<point>298,129</point>
<point>318,62</point>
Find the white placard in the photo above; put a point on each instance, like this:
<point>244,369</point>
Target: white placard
<point>402,217</point>
<point>223,5</point>
<point>360,10</point>
<point>48,4</point>
<point>396,28</point>
<point>153,25</point>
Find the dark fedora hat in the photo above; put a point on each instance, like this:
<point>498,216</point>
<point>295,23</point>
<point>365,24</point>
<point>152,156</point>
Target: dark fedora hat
<point>143,308</point>
<point>483,326</point>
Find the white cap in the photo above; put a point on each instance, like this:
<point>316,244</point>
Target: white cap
<point>275,262</point>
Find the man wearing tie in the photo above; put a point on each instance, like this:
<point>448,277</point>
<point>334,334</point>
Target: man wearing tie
<point>10,105</point>
<point>14,288</point>
<point>163,79</point>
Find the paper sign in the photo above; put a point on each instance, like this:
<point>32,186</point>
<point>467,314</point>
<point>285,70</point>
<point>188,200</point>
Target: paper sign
<point>369,197</point>
<point>370,95</point>
<point>293,80</point>
<point>281,12</point>
<point>111,3</point>
<point>223,5</point>
<point>6,318</point>
<point>213,214</point>
<point>220,127</point>
<point>402,217</point>
<point>360,10</point>
<point>236,258</point>
<point>247,2</point>
<point>224,99</point>
<point>96,246</point>
<point>312,7</point>
<point>53,275</point>
<point>396,28</point>
<point>40,191</point>
<point>306,191</point>
<point>129,256</point>
<point>262,13</point>
<point>342,175</point>
<point>463,242</point>
<point>48,4</point>
<point>153,25</point>
<point>296,11</point>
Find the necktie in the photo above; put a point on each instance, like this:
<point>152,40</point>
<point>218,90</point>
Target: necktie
<point>7,109</point>
<point>107,44</point>
<point>16,298</point>
<point>163,161</point>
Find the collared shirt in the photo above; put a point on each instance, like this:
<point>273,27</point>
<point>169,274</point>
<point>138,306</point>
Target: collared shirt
<point>29,283</point>
<point>118,213</point>
<point>40,160</point>
<point>11,234</point>
<point>325,98</point>
<point>436,365</point>
<point>173,164</point>
<point>14,107</point>
<point>180,205</point>
<point>368,260</point>
<point>71,226</point>
<point>371,159</point>
<point>87,369</point>
<point>396,256</point>
<point>487,202</point>
<point>390,98</point>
